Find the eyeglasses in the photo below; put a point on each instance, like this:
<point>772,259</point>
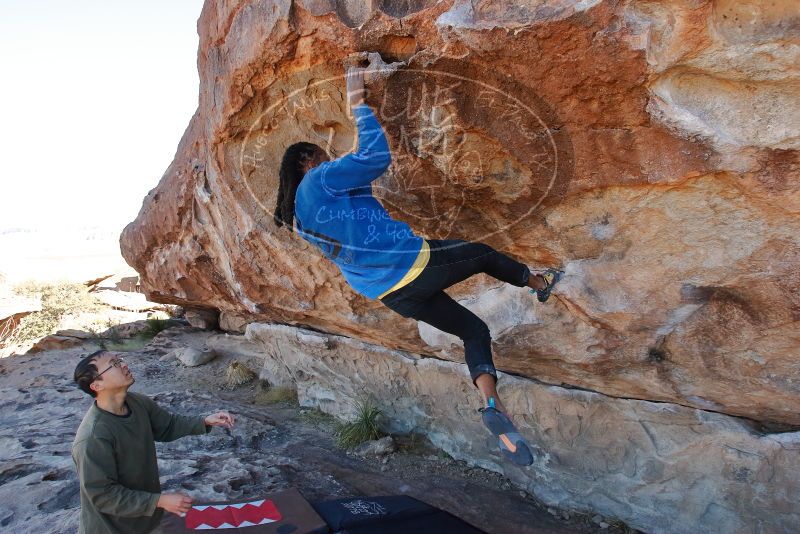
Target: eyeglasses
<point>115,362</point>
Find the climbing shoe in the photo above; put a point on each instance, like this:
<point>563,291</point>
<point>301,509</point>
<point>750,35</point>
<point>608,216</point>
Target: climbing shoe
<point>512,444</point>
<point>551,278</point>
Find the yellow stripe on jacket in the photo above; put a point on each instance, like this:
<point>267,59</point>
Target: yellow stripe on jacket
<point>415,269</point>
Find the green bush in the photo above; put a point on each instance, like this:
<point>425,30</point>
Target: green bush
<point>112,334</point>
<point>154,326</point>
<point>364,428</point>
<point>58,299</point>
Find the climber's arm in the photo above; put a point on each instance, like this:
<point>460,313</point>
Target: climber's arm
<point>372,157</point>
<point>366,164</point>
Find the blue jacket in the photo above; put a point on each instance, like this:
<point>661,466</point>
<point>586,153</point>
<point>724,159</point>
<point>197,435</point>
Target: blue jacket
<point>336,212</point>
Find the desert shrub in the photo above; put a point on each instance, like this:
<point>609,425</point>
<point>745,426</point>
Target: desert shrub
<point>112,333</point>
<point>154,326</point>
<point>364,428</point>
<point>58,299</point>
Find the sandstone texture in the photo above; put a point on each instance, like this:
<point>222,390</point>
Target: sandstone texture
<point>661,468</point>
<point>61,340</point>
<point>649,149</point>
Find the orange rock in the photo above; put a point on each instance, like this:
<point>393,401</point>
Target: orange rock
<point>648,148</point>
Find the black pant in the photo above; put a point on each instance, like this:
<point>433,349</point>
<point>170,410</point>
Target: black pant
<point>451,261</point>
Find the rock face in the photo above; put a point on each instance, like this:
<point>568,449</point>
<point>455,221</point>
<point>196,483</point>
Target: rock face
<point>660,467</point>
<point>203,319</point>
<point>649,149</point>
<point>62,339</point>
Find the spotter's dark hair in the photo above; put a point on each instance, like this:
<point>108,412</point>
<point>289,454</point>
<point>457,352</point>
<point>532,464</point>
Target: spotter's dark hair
<point>86,372</point>
<point>291,174</point>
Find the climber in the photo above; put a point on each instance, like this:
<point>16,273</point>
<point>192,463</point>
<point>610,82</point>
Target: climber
<point>331,203</point>
<point>115,454</point>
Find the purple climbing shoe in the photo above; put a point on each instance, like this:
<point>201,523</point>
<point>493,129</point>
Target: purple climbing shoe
<point>512,444</point>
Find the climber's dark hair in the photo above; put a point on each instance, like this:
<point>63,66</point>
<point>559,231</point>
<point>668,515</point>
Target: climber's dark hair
<point>291,174</point>
<point>86,372</point>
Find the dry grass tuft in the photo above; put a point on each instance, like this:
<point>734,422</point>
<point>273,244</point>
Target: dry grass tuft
<point>239,374</point>
<point>364,428</point>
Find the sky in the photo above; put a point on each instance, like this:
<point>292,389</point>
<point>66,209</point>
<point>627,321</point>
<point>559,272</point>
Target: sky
<point>94,98</point>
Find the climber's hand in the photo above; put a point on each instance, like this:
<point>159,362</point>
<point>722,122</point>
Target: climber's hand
<point>222,418</point>
<point>355,86</point>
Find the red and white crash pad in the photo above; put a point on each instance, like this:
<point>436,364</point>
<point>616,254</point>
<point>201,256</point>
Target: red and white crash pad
<point>245,514</point>
<point>278,513</point>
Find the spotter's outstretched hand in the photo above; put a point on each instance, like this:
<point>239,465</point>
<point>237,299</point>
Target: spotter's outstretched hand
<point>221,418</point>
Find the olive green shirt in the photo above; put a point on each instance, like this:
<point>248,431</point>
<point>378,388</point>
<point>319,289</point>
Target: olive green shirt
<point>117,469</point>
